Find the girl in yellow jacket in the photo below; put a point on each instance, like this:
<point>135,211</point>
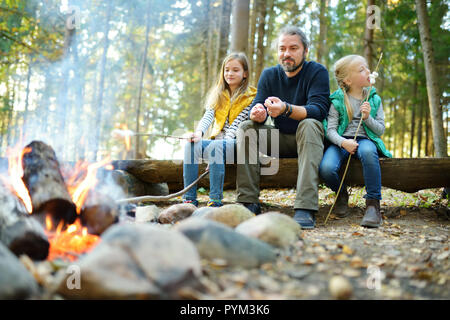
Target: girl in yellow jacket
<point>227,105</point>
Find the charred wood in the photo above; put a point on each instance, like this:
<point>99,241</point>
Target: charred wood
<point>19,231</point>
<point>45,184</point>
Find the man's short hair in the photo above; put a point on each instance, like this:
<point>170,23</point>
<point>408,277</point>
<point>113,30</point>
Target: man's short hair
<point>292,30</point>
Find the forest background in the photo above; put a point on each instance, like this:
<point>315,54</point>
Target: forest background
<point>73,71</point>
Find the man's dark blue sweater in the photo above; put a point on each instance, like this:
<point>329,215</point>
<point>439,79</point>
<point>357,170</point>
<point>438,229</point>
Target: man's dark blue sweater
<point>309,88</point>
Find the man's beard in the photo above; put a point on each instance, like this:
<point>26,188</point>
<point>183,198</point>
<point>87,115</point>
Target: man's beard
<point>293,68</point>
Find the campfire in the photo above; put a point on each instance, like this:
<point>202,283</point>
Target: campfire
<point>49,213</point>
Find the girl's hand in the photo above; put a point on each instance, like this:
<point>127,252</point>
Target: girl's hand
<point>275,106</point>
<point>258,113</point>
<point>350,145</point>
<point>194,136</point>
<point>365,110</point>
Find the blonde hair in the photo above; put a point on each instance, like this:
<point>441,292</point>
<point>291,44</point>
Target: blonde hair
<point>215,96</point>
<point>342,69</point>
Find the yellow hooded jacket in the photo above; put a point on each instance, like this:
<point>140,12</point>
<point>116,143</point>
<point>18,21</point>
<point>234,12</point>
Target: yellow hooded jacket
<point>231,110</point>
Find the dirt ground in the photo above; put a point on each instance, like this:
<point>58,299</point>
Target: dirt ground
<point>406,258</point>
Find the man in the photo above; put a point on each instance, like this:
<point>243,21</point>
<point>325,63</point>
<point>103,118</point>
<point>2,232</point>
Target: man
<point>295,94</point>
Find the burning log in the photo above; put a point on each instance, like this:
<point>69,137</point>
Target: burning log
<point>19,231</point>
<point>45,184</point>
<point>99,213</point>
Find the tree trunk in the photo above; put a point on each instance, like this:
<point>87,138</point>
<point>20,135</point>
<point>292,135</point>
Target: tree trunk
<point>427,133</point>
<point>251,44</point>
<point>27,97</point>
<point>321,46</point>
<point>403,130</point>
<point>63,100</point>
<point>413,111</point>
<point>224,30</point>
<point>212,30</point>
<point>79,79</point>
<point>44,104</point>
<point>419,129</point>
<point>368,38</point>
<point>141,80</point>
<point>99,106</point>
<point>394,131</point>
<point>440,143</point>
<point>239,25</point>
<point>261,35</point>
<point>204,55</point>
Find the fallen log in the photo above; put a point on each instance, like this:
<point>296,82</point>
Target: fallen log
<point>405,174</point>
<point>45,184</point>
<point>133,186</point>
<point>19,231</point>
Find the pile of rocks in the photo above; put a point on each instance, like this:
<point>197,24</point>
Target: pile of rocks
<point>159,255</point>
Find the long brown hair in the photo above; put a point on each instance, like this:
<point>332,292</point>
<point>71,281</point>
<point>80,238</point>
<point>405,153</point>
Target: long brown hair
<point>342,69</point>
<point>215,95</point>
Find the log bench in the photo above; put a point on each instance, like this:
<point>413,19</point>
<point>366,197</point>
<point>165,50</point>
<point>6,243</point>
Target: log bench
<point>404,174</point>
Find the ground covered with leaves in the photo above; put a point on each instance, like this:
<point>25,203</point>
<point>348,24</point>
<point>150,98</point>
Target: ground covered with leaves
<point>406,258</point>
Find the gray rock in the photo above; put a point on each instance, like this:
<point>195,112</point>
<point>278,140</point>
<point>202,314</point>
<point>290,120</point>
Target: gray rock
<point>274,228</point>
<point>136,262</point>
<point>15,280</point>
<point>147,214</point>
<point>231,214</point>
<point>176,213</point>
<point>202,212</point>
<point>217,241</point>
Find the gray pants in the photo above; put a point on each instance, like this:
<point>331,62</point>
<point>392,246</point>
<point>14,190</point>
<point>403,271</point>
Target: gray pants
<point>306,144</point>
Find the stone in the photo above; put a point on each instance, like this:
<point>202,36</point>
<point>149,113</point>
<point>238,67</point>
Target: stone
<point>147,214</point>
<point>203,212</point>
<point>217,241</point>
<point>176,213</point>
<point>231,214</point>
<point>340,288</point>
<point>16,282</point>
<point>140,261</point>
<point>275,228</point>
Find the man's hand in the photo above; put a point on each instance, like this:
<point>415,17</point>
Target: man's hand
<point>365,110</point>
<point>258,113</point>
<point>194,136</point>
<point>350,145</point>
<point>275,106</point>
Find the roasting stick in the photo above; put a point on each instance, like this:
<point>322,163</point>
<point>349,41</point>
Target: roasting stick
<point>354,139</point>
<point>163,198</point>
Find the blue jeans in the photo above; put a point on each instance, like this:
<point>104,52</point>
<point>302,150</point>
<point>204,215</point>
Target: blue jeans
<point>217,153</point>
<point>367,153</point>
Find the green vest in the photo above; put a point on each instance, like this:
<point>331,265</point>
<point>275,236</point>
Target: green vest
<point>337,98</point>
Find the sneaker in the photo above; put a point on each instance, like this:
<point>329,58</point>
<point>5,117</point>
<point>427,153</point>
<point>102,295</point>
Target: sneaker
<point>214,203</point>
<point>194,202</point>
<point>305,218</point>
<point>253,207</point>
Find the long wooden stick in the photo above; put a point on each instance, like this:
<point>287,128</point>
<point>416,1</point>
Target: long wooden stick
<point>161,135</point>
<point>350,155</point>
<point>163,198</point>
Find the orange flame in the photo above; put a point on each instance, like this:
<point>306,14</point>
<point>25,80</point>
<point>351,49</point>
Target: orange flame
<point>15,169</point>
<point>80,189</point>
<point>70,243</point>
<point>75,239</point>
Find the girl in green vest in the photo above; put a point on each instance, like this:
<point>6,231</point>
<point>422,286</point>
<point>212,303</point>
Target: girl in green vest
<point>346,110</point>
<point>227,105</point>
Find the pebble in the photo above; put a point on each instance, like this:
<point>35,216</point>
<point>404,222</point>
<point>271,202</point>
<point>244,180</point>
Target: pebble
<point>340,288</point>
